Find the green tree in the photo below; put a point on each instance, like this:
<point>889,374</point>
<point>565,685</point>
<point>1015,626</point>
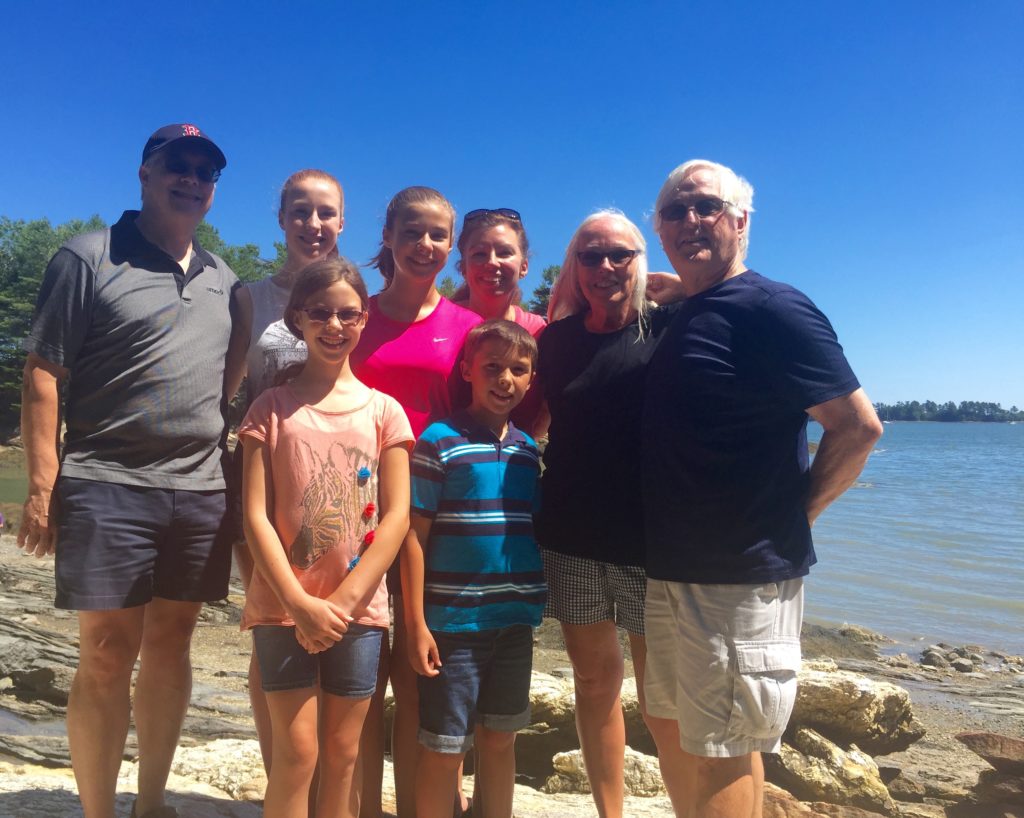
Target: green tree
<point>538,303</point>
<point>25,249</point>
<point>447,286</point>
<point>243,259</point>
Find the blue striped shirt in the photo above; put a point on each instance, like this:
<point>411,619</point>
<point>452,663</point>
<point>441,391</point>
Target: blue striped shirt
<point>483,567</point>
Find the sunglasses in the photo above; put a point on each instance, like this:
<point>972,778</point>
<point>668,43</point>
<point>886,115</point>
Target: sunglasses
<point>179,167</point>
<point>704,208</point>
<point>321,315</point>
<point>619,257</point>
<point>507,212</point>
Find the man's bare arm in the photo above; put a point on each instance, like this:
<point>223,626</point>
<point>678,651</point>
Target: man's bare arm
<point>851,429</point>
<point>40,430</point>
<point>238,346</point>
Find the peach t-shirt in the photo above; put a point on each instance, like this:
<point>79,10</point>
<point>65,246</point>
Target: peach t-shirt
<point>323,470</point>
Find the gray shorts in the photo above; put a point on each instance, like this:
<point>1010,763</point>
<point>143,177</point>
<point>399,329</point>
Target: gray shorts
<point>722,662</point>
<point>584,592</point>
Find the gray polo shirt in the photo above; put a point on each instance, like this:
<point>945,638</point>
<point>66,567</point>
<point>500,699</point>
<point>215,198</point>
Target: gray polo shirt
<point>145,345</point>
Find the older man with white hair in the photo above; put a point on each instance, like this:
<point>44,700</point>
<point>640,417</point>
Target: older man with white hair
<point>730,495</point>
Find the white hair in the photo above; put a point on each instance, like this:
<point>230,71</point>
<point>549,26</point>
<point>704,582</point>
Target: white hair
<point>732,187</point>
<point>566,294</point>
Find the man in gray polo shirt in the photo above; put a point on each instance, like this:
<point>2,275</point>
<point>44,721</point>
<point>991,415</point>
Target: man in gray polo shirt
<point>134,322</point>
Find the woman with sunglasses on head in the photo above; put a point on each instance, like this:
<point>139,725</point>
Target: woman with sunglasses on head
<point>494,252</point>
<point>593,359</point>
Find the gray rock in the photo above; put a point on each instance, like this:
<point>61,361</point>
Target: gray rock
<point>906,789</point>
<point>852,709</point>
<point>934,659</point>
<point>230,765</point>
<point>815,769</point>
<point>642,775</point>
<point>994,787</point>
<point>1004,753</point>
<point>962,665</point>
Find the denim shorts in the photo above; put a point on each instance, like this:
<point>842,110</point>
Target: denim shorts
<point>118,546</point>
<point>484,678</point>
<point>722,662</point>
<point>348,668</point>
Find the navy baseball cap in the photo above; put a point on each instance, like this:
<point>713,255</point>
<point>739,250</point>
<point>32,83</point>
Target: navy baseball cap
<point>173,133</point>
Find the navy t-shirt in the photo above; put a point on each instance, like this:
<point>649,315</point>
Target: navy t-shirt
<point>725,432</point>
<point>591,492</point>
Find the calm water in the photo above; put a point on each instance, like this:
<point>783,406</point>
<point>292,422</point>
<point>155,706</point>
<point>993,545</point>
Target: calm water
<point>930,543</point>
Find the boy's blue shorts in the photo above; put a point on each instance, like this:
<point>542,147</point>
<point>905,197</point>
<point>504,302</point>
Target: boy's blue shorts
<point>348,668</point>
<point>484,678</point>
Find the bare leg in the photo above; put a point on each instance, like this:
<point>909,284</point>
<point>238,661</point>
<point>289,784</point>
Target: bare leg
<point>293,714</point>
<point>162,691</point>
<point>257,698</point>
<point>597,671</point>
<point>371,743</point>
<point>678,768</point>
<point>405,746</point>
<point>260,711</point>
<point>496,752</point>
<point>638,651</point>
<point>436,778</point>
<point>342,723</point>
<point>99,706</point>
<point>757,768</point>
<point>725,787</point>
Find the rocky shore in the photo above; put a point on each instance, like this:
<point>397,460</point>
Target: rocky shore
<point>875,731</point>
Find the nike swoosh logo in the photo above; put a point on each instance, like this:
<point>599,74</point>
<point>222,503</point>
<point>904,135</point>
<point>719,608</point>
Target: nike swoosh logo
<point>439,340</point>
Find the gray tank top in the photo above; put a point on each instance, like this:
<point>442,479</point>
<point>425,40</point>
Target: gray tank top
<point>272,347</point>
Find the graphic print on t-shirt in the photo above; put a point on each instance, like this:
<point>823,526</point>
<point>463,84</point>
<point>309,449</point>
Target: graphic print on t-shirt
<point>333,502</point>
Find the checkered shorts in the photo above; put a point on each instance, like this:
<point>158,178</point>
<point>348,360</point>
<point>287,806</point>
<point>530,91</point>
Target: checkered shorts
<point>583,591</point>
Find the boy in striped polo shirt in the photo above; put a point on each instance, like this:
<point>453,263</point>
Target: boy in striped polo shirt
<point>472,576</point>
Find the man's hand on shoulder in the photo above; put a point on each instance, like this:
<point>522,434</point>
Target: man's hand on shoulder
<point>664,288</point>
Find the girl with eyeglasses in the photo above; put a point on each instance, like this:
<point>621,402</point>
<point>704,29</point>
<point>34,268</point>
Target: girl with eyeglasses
<point>410,350</point>
<point>592,365</point>
<point>326,508</point>
<point>494,252</point>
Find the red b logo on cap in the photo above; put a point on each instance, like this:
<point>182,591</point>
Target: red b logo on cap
<point>190,130</point>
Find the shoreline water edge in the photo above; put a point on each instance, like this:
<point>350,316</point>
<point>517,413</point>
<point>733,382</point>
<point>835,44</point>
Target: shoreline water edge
<point>874,731</point>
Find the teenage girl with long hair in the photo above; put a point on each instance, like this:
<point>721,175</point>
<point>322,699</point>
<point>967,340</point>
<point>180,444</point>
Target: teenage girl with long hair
<point>410,350</point>
<point>312,216</point>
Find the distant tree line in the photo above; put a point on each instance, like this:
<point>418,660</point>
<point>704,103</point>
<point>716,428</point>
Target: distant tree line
<point>950,412</point>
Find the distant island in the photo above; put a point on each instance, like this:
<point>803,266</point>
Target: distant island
<point>949,412</point>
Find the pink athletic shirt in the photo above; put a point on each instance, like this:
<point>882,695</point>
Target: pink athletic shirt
<point>323,469</point>
<point>417,363</point>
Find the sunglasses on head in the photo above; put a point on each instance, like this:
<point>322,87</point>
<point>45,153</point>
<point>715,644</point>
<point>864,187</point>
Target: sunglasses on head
<point>177,166</point>
<point>704,208</point>
<point>321,315</point>
<point>507,212</point>
<point>619,257</point>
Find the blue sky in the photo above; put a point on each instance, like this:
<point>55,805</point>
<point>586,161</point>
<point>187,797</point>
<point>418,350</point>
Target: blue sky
<point>883,139</point>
